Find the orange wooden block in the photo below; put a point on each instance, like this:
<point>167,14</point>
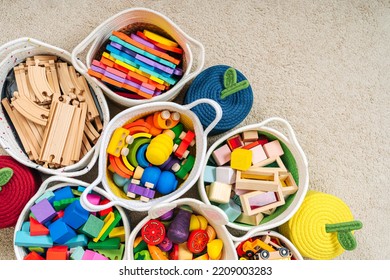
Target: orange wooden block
<point>36,228</point>
<point>95,74</point>
<point>57,253</point>
<point>121,170</point>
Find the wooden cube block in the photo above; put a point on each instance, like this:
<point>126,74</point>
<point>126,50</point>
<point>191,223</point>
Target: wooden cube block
<point>57,253</point>
<point>273,149</point>
<point>225,174</point>
<point>43,211</point>
<point>92,226</point>
<point>250,136</point>
<point>219,192</point>
<point>222,155</point>
<point>235,142</point>
<point>241,159</point>
<point>258,154</point>
<point>209,174</point>
<point>231,209</point>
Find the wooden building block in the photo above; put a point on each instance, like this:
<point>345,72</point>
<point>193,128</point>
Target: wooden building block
<point>57,253</point>
<point>92,226</point>
<point>222,155</point>
<point>219,192</point>
<point>43,211</point>
<point>241,159</point>
<point>258,154</point>
<point>250,135</point>
<point>273,149</point>
<point>235,142</point>
<point>225,174</point>
<point>209,174</point>
<point>259,180</point>
<point>257,201</point>
<point>288,184</point>
<point>231,209</point>
<point>60,232</point>
<point>274,163</point>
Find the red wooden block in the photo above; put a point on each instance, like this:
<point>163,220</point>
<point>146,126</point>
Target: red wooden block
<point>33,256</point>
<point>235,142</point>
<point>104,212</point>
<point>57,253</point>
<point>37,228</point>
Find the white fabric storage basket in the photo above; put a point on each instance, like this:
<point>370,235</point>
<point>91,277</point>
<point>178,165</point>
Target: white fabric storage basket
<point>140,15</point>
<point>189,120</point>
<point>300,162</point>
<point>256,232</point>
<point>215,217</point>
<point>15,52</point>
<point>53,183</point>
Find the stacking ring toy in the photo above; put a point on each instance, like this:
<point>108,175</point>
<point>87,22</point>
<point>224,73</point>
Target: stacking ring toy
<point>226,86</point>
<point>322,227</point>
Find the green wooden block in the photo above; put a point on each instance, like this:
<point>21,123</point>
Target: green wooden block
<point>116,221</point>
<point>92,226</point>
<point>63,203</point>
<point>77,253</point>
<point>110,243</point>
<point>112,254</point>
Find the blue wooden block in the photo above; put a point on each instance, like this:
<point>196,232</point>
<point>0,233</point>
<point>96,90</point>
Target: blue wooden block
<point>77,254</point>
<point>60,232</point>
<point>75,215</point>
<point>24,239</point>
<point>43,211</point>
<point>78,240</point>
<point>63,193</point>
<point>232,210</point>
<point>209,175</point>
<point>26,227</point>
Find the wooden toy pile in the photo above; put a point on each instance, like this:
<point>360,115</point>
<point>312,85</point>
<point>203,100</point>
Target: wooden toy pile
<point>59,228</point>
<point>179,234</point>
<point>151,155</point>
<point>140,65</point>
<point>247,178</point>
<point>53,111</point>
<point>264,247</point>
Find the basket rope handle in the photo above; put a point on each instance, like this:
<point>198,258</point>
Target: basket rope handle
<point>291,134</point>
<point>215,105</point>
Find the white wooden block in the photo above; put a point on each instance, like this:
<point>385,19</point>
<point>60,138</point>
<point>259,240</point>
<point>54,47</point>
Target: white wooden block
<point>225,174</point>
<point>219,192</point>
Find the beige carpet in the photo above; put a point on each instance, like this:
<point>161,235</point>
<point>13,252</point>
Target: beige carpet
<point>322,65</point>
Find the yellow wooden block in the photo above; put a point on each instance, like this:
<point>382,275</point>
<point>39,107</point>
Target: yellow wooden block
<point>118,232</point>
<point>160,39</point>
<point>108,220</point>
<point>241,159</point>
<point>117,141</point>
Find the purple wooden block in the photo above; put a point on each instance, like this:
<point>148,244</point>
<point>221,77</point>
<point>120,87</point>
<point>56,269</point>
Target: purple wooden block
<point>155,64</point>
<point>144,89</point>
<point>149,193</point>
<point>98,69</point>
<point>146,43</point>
<point>123,49</point>
<point>43,211</point>
<point>114,77</point>
<point>167,165</point>
<point>139,190</point>
<point>178,72</point>
<point>157,93</point>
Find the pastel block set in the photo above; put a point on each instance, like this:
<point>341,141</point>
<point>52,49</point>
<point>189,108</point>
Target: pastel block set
<point>179,234</point>
<point>53,111</point>
<point>247,178</point>
<point>57,227</point>
<point>140,65</point>
<point>150,157</point>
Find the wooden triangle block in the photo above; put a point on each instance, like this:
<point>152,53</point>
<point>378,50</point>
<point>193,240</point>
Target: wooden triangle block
<point>37,228</point>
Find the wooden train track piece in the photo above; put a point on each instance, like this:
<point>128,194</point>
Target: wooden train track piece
<point>92,109</point>
<point>66,84</point>
<point>78,141</point>
<point>91,132</point>
<point>29,109</point>
<point>79,87</point>
<point>54,74</point>
<point>67,154</point>
<point>38,87</point>
<point>21,129</point>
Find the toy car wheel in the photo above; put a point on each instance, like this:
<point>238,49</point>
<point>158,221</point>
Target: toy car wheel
<point>284,252</point>
<point>264,254</point>
<point>249,254</point>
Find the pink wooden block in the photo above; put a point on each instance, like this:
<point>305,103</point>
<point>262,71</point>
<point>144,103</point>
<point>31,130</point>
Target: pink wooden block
<point>93,198</point>
<point>92,256</point>
<point>222,155</point>
<point>262,200</point>
<point>258,154</point>
<point>273,149</point>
